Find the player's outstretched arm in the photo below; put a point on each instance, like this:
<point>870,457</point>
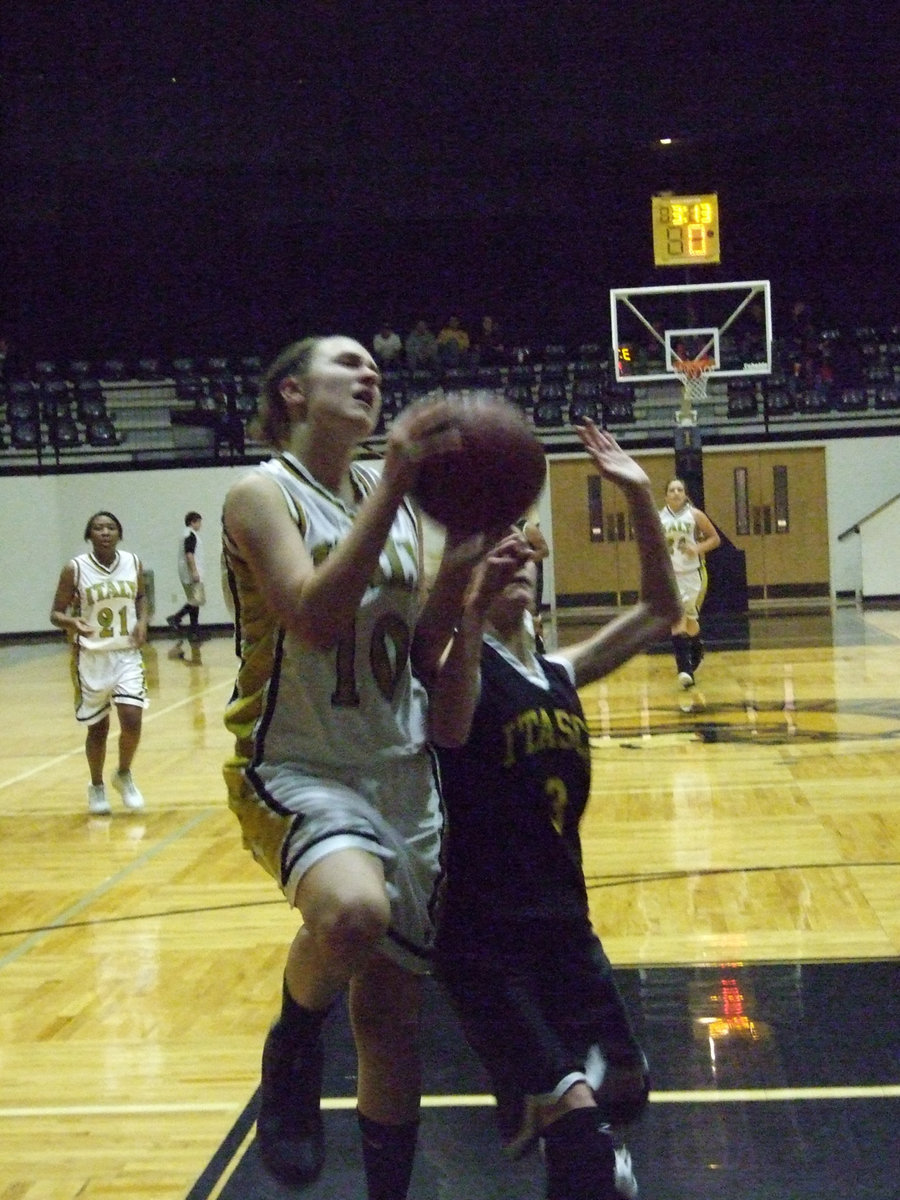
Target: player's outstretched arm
<point>659,605</point>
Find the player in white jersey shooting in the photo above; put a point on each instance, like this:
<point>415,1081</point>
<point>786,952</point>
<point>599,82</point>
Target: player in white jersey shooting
<point>332,779</point>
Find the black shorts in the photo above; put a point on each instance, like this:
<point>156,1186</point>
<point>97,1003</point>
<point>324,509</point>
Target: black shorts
<point>533,998</point>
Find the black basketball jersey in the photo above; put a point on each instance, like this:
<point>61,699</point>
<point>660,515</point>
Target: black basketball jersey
<point>515,793</point>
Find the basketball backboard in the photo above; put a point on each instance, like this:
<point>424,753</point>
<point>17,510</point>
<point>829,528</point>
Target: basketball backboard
<point>653,328</point>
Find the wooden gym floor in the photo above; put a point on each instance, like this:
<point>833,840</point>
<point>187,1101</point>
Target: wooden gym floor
<point>741,852</point>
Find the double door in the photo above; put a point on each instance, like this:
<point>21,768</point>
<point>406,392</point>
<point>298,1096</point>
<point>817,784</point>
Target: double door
<point>595,561</point>
<point>770,503</point>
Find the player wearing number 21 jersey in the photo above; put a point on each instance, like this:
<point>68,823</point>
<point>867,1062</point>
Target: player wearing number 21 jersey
<point>101,606</point>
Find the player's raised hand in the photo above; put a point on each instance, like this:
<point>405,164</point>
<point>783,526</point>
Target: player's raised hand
<point>421,431</point>
<point>609,458</point>
<point>501,562</point>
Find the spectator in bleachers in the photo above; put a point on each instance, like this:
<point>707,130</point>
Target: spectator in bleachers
<point>387,348</point>
<point>489,347</point>
<point>453,343</point>
<point>421,348</point>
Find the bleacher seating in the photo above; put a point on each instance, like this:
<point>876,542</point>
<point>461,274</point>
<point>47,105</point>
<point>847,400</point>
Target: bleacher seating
<point>75,407</point>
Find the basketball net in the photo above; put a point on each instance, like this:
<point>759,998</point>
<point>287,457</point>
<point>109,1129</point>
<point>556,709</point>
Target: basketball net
<point>693,375</point>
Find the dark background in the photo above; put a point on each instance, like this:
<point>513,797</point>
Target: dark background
<point>222,177</point>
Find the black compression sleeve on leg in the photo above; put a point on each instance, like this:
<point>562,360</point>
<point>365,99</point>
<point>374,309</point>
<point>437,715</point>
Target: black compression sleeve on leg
<point>388,1153</point>
<point>580,1158</point>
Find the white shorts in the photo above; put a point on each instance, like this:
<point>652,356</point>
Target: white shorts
<point>295,819</point>
<point>195,593</point>
<point>106,677</point>
<point>692,589</point>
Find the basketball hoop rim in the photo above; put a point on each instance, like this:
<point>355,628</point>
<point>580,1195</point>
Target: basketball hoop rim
<point>694,368</point>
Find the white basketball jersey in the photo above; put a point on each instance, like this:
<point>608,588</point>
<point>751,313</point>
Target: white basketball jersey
<point>356,702</point>
<point>680,529</point>
<point>107,599</point>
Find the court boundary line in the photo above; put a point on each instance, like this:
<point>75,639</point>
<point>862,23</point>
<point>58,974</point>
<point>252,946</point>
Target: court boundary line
<point>885,1091</point>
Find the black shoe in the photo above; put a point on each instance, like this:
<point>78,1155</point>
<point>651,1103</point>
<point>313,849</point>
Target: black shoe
<point>289,1129</point>
<point>173,624</point>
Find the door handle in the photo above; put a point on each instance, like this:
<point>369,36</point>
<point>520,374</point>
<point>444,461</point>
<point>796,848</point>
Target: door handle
<point>762,519</point>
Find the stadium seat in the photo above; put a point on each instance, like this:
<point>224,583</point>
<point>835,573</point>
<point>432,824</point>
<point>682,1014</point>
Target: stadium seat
<point>852,400</point>
<point>114,369</point>
<point>457,379</point>
<point>583,409</point>
<point>62,433</point>
<point>21,402</point>
<point>548,413</point>
<point>393,388</point>
<point>587,368</point>
<point>490,378</point>
<point>190,387</point>
<point>618,406</point>
<point>90,405</point>
<point>521,373</point>
<point>102,432</point>
<point>25,433</point>
<point>588,390</point>
<point>420,383</point>
<point>149,368</point>
<point>56,399</point>
<point>887,397</point>
<point>742,399</point>
<point>816,399</point>
<point>246,404</point>
<point>223,382</point>
<point>554,372</point>
<point>554,392</point>
<point>780,400</point>
<point>519,394</point>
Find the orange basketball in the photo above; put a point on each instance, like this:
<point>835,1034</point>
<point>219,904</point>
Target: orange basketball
<point>492,479</point>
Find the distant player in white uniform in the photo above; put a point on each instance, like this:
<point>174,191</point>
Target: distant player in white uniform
<point>100,603</point>
<point>332,779</point>
<point>690,536</point>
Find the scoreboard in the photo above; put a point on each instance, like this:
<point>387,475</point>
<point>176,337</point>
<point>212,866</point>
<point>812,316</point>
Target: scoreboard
<point>686,230</point>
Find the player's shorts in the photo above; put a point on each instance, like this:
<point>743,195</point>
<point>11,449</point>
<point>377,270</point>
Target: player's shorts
<point>539,1006</point>
<point>194,593</point>
<point>106,677</point>
<point>692,589</point>
<point>291,819</point>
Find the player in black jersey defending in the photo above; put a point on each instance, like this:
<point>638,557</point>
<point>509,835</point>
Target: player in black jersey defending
<point>526,973</point>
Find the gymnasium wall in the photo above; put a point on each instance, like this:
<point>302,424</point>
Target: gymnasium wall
<point>45,516</point>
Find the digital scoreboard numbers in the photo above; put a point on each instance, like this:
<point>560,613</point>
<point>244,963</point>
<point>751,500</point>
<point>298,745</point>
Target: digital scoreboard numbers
<point>686,230</point>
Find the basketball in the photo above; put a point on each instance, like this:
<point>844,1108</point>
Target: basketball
<point>492,479</point>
